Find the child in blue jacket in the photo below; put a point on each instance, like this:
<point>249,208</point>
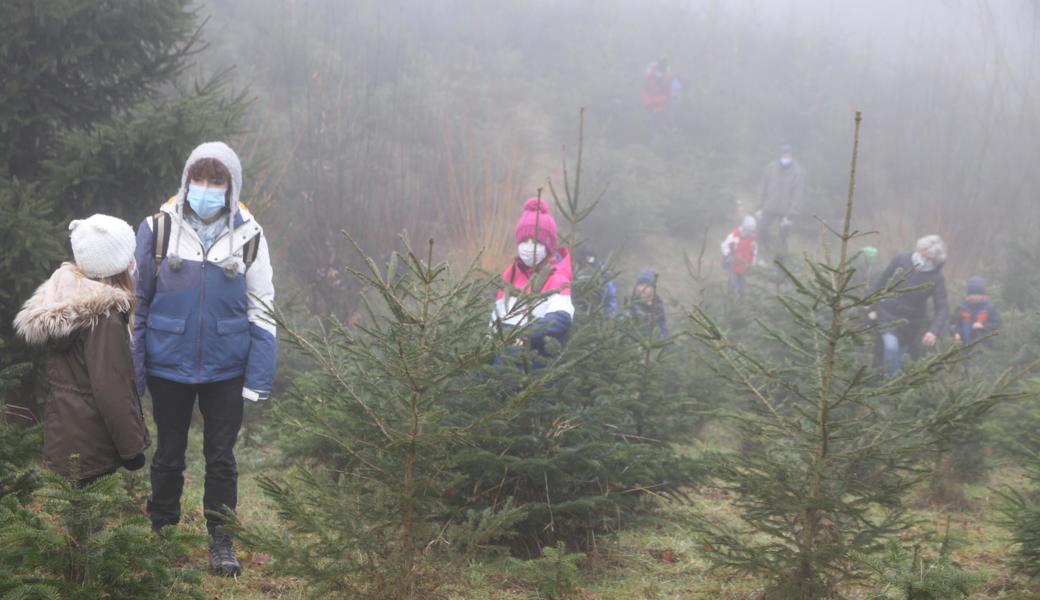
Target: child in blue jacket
<point>976,317</point>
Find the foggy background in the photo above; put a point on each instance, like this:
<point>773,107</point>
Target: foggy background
<point>439,118</point>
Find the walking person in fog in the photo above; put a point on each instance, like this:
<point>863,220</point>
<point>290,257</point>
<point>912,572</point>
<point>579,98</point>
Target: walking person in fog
<point>783,189</point>
<point>921,269</point>
<point>739,252</point>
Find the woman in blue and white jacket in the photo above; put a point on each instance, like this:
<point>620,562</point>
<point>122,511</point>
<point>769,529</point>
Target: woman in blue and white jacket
<point>201,332</point>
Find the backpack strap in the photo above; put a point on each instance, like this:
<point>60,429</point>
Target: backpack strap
<point>160,237</point>
<point>250,250</point>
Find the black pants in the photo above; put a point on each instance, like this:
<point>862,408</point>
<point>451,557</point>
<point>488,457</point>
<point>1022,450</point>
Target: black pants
<point>172,405</point>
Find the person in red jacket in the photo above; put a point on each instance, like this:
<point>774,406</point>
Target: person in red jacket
<point>658,85</point>
<point>660,94</point>
<point>739,252</point>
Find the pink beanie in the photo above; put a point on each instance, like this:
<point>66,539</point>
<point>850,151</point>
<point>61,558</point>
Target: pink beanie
<point>537,223</point>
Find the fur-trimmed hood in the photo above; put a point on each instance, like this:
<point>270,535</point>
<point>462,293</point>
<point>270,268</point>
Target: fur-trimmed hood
<point>66,303</point>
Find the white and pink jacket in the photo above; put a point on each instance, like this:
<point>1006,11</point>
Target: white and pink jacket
<point>549,317</point>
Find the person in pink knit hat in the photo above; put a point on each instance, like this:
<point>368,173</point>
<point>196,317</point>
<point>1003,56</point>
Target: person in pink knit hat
<point>537,258</point>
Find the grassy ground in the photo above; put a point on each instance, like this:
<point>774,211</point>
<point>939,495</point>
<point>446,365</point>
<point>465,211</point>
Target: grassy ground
<point>657,560</point>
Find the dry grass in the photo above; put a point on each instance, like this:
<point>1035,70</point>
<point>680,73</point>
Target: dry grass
<point>485,190</point>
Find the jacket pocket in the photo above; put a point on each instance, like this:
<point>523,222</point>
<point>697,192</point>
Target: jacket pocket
<point>233,341</point>
<point>164,343</point>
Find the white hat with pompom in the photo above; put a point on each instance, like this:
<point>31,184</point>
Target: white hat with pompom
<point>103,245</point>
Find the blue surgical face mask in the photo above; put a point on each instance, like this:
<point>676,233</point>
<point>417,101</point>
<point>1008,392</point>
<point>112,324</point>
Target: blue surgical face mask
<point>206,202</point>
<point>786,161</point>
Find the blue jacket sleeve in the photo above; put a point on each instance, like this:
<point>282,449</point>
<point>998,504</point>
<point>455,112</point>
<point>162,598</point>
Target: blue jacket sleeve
<point>554,325</point>
<point>145,290</point>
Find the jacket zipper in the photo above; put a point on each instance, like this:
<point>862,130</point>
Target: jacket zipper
<point>202,301</point>
<point>202,305</point>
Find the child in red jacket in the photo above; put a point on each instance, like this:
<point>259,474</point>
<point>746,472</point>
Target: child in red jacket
<point>739,252</point>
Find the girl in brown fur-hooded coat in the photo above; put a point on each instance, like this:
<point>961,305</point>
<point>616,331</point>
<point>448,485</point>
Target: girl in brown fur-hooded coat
<point>82,314</point>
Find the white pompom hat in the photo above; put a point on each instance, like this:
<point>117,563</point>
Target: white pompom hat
<point>103,245</point>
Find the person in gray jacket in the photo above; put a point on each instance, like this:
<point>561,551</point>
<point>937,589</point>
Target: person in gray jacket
<point>783,186</point>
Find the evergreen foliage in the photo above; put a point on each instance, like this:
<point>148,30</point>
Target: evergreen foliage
<point>1020,512</point>
<point>1019,281</point>
<point>366,517</point>
<point>554,574</point>
<point>899,574</point>
<point>19,445</point>
<point>584,455</point>
<point>79,543</point>
<point>31,241</point>
<point>72,64</point>
<point>836,447</point>
<point>959,454</point>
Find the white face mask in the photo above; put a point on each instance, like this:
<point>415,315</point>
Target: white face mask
<point>531,252</point>
<point>921,263</point>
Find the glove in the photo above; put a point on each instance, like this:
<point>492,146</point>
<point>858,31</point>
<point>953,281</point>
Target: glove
<point>134,463</point>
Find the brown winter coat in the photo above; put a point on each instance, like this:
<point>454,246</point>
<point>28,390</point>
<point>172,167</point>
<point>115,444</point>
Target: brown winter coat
<point>92,408</point>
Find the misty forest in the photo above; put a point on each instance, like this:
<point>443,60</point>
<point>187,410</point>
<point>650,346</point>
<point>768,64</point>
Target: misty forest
<point>565,300</point>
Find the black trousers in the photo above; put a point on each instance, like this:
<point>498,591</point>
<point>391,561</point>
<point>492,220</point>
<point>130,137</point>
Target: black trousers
<point>172,405</point>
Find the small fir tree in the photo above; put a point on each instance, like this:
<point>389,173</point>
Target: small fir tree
<point>80,544</point>
<point>837,447</point>
<point>920,573</point>
<point>366,518</point>
<point>584,456</point>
